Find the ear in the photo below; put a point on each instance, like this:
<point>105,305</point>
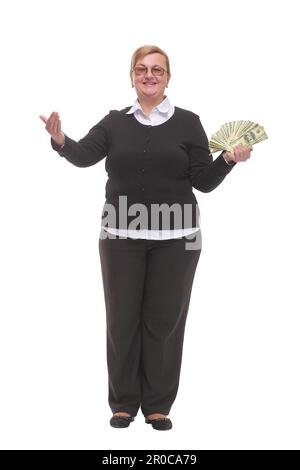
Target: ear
<point>168,81</point>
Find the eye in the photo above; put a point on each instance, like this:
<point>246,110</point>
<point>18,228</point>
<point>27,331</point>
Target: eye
<point>139,69</point>
<point>158,70</point>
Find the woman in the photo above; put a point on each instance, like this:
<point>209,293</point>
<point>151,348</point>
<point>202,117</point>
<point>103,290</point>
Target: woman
<point>156,153</point>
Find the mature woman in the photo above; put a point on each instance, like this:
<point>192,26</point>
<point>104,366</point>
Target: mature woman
<point>155,154</point>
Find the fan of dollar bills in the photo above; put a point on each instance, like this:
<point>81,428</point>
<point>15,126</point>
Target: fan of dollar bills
<point>234,133</point>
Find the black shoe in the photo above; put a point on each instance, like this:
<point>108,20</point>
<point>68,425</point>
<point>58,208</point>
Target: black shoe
<point>162,424</point>
<point>121,421</point>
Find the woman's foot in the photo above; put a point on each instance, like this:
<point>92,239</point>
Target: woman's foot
<point>121,420</point>
<point>156,415</point>
<point>121,413</point>
<point>159,421</point>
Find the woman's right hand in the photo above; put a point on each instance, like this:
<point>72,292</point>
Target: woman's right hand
<point>53,126</point>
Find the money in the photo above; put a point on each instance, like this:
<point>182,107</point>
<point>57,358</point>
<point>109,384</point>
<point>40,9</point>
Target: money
<point>234,133</point>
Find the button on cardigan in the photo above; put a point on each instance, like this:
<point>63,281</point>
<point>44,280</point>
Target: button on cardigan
<point>149,165</point>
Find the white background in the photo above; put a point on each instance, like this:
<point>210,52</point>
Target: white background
<point>239,385</point>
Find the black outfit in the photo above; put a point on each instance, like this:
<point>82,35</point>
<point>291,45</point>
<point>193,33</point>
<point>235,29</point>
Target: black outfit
<point>147,283</point>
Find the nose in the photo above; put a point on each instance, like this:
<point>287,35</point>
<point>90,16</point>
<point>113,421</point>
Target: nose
<point>149,73</point>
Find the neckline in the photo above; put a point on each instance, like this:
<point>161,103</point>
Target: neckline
<point>157,125</point>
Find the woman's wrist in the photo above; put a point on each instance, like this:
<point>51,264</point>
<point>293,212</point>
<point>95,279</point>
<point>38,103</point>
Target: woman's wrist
<point>227,158</point>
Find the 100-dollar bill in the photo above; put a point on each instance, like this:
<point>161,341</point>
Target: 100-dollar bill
<point>235,133</point>
<point>255,135</point>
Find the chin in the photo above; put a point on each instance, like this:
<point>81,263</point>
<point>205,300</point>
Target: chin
<point>150,92</point>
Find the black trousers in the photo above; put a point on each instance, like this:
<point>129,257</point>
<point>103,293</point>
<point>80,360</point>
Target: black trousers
<point>147,288</point>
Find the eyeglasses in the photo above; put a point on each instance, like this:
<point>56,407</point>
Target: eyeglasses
<point>156,70</point>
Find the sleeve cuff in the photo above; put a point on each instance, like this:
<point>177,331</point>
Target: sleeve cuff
<point>222,167</point>
<point>227,163</point>
<point>55,146</point>
<point>231,163</point>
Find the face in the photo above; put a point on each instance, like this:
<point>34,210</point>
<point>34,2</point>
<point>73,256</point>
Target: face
<point>149,85</point>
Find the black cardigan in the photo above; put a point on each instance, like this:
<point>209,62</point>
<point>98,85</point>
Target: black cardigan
<point>150,165</point>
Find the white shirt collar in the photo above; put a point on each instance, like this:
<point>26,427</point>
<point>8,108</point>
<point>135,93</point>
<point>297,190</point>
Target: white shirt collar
<point>163,107</point>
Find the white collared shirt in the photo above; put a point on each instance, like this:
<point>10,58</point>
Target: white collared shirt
<point>160,114</point>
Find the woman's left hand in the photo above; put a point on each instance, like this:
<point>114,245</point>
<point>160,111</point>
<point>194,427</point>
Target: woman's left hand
<point>241,153</point>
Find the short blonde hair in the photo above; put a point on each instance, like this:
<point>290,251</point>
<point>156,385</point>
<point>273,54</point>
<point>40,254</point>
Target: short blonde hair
<point>144,50</point>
